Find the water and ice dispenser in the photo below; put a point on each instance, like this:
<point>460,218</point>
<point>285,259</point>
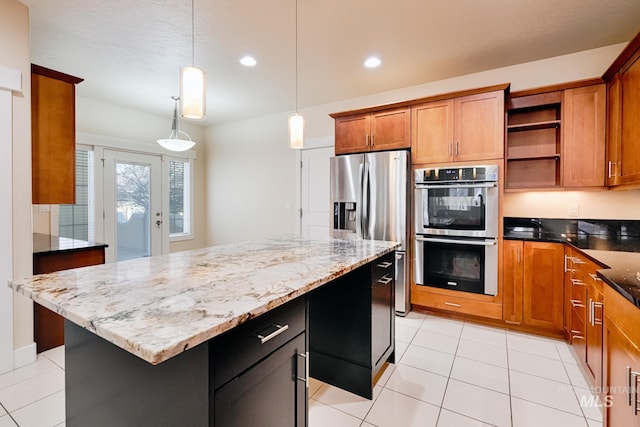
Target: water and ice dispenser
<point>344,216</point>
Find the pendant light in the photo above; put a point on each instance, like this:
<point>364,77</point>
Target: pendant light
<point>296,121</point>
<point>193,83</point>
<point>176,142</point>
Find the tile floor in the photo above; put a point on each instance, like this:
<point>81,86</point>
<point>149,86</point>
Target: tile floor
<point>448,374</point>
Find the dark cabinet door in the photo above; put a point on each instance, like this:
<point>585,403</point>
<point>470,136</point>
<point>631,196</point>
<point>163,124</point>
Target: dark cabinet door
<point>269,394</point>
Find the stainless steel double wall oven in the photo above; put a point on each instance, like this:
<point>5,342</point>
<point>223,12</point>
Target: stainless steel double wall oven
<point>456,228</point>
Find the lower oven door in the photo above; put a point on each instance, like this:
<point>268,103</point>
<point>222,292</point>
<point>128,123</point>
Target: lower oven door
<point>462,264</point>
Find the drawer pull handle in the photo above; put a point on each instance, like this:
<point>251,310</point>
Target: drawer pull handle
<point>304,379</point>
<point>577,303</point>
<point>595,277</point>
<point>385,264</point>
<point>577,337</point>
<point>629,376</point>
<point>577,282</point>
<point>452,304</point>
<point>384,280</point>
<point>264,338</point>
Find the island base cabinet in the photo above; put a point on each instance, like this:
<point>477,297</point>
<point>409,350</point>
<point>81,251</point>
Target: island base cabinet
<point>351,327</point>
<point>107,386</point>
<point>270,394</point>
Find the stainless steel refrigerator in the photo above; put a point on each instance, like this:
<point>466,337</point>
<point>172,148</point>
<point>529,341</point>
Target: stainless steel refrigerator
<point>369,201</point>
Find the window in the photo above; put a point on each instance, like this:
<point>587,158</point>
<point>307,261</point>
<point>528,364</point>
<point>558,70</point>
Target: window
<point>77,221</point>
<point>180,199</point>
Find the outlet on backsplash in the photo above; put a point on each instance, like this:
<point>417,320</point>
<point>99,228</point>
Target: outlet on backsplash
<point>574,210</point>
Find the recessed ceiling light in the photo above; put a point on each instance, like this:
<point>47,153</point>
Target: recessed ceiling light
<point>372,62</point>
<point>248,61</point>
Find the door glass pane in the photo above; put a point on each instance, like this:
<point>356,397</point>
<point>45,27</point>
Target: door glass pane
<point>133,194</point>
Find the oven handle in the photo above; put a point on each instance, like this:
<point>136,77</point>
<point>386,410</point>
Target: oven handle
<point>481,185</point>
<point>457,242</point>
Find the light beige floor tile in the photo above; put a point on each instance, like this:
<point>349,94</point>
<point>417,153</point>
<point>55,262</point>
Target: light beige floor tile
<point>442,326</point>
<point>576,376</point>
<point>346,402</point>
<point>393,409</point>
<point>538,366</point>
<point>6,421</point>
<point>451,419</point>
<point>46,412</point>
<point>529,414</point>
<point>484,334</point>
<point>31,390</point>
<point>41,366</point>
<point>56,355</point>
<point>422,385</point>
<point>412,319</point>
<point>567,355</point>
<point>532,344</point>
<point>481,374</point>
<point>545,392</point>
<point>483,352</point>
<point>590,403</point>
<point>479,403</point>
<point>401,347</point>
<point>593,423</point>
<point>428,360</point>
<point>405,333</point>
<point>321,415</point>
<point>436,341</point>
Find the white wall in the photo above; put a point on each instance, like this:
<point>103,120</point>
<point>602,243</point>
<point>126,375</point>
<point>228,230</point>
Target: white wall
<point>15,54</point>
<point>253,152</point>
<point>250,180</point>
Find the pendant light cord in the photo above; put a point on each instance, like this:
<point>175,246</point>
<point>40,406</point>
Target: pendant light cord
<point>193,37</point>
<point>296,56</point>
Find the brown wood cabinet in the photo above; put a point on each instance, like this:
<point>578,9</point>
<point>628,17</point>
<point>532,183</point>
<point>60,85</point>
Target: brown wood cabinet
<point>532,284</point>
<point>53,256</point>
<point>53,142</point>
<point>583,136</point>
<point>460,129</point>
<point>621,361</point>
<point>556,136</point>
<point>376,131</point>
<point>623,126</point>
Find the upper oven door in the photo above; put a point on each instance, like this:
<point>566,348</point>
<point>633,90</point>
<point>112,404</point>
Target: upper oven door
<point>457,209</point>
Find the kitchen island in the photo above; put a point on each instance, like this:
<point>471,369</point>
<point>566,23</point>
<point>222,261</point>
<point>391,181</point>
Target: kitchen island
<point>210,336</point>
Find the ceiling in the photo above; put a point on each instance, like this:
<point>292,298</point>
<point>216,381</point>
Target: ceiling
<point>130,52</point>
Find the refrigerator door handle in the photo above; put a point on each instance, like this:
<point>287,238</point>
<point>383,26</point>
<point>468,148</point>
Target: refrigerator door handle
<point>366,201</point>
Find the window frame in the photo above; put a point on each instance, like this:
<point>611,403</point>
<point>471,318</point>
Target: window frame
<point>189,206</point>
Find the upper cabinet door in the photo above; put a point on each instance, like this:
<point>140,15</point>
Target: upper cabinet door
<point>630,144</point>
<point>352,134</point>
<point>432,132</point>
<point>583,143</point>
<point>479,126</point>
<point>53,136</point>
<point>390,130</point>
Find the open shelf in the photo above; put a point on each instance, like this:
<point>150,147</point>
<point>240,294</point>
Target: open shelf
<point>533,142</point>
<point>549,124</point>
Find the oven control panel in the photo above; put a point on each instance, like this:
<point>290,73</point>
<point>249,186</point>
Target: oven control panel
<point>468,173</point>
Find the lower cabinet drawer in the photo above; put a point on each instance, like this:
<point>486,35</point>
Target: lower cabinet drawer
<point>462,305</point>
<point>272,392</point>
<point>250,342</point>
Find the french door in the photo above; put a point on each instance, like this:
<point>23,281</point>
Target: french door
<point>132,205</point>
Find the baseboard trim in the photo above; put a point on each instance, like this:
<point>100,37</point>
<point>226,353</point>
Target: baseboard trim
<point>24,356</point>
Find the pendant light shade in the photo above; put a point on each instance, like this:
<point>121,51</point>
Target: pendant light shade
<point>296,121</point>
<point>296,131</point>
<point>193,92</point>
<point>193,82</point>
<point>178,140</point>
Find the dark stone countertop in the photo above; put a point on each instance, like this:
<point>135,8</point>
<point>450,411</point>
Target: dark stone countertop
<point>44,243</point>
<point>614,244</point>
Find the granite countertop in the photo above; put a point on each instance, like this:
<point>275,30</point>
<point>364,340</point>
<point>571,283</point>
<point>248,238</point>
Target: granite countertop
<point>614,244</point>
<point>44,243</point>
<point>157,307</point>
